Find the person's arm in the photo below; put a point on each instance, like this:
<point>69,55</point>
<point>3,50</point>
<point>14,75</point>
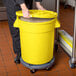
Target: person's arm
<point>19,1</point>
<point>24,8</point>
<point>38,5</point>
<point>38,0</point>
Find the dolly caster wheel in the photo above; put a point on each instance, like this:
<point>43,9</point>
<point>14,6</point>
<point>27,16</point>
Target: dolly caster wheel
<point>33,71</point>
<point>17,61</point>
<point>48,69</point>
<point>72,65</point>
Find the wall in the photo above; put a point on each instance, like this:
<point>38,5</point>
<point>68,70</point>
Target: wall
<point>3,15</point>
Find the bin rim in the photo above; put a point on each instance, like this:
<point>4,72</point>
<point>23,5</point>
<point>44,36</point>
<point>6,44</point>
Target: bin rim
<point>46,22</point>
<point>57,24</point>
<point>51,15</point>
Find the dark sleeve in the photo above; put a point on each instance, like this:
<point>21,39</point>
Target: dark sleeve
<point>23,1</point>
<point>20,1</point>
<point>38,0</point>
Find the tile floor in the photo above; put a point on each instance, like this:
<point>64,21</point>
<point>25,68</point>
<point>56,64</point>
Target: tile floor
<point>61,67</point>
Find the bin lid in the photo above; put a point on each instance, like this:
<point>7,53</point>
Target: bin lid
<point>39,14</point>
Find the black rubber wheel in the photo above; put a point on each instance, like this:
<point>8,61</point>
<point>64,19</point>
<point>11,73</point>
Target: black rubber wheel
<point>17,61</point>
<point>33,71</point>
<point>48,69</point>
<point>72,65</point>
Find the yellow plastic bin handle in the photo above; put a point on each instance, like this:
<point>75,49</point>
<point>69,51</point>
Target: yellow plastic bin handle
<point>16,23</point>
<point>57,24</point>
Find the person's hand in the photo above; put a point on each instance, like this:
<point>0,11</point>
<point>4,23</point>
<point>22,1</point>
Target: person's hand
<point>26,13</point>
<point>39,6</point>
<point>25,10</point>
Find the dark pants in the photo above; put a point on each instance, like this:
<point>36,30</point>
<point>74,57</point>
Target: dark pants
<point>15,31</point>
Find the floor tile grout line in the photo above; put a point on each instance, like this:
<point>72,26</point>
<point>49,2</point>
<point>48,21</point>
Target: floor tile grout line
<point>10,49</point>
<point>4,63</point>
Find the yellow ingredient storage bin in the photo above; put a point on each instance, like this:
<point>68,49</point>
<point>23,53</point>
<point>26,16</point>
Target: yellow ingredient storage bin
<point>37,38</point>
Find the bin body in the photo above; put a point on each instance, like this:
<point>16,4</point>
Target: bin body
<point>37,41</point>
